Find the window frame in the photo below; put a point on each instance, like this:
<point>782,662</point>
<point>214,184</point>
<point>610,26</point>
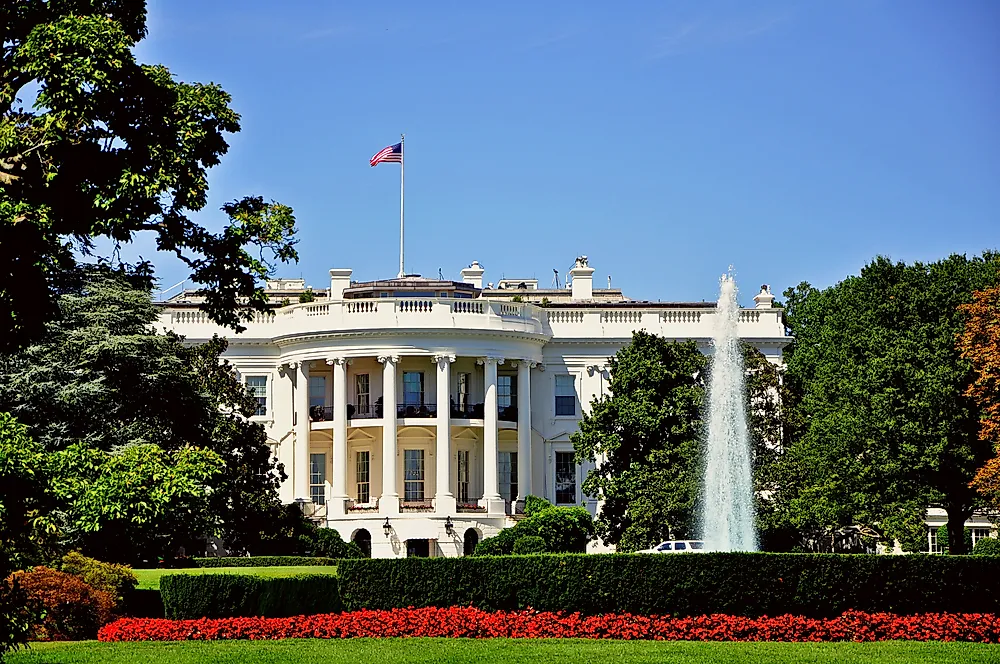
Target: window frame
<point>557,396</point>
<point>555,481</point>
<point>420,483</point>
<point>466,496</point>
<point>507,469</point>
<point>266,396</point>
<point>314,381</point>
<point>367,483</point>
<point>423,385</point>
<point>358,393</point>
<point>320,474</point>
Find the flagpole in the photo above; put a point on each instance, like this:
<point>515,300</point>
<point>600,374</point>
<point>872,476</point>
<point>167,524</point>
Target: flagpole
<point>402,163</point>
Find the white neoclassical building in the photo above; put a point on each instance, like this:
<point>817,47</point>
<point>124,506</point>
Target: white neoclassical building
<point>414,414</point>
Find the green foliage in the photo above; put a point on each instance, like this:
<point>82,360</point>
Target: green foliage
<point>987,546</point>
<point>264,561</point>
<point>27,528</point>
<point>749,584</point>
<point>307,296</point>
<point>15,620</point>
<point>235,595</point>
<point>883,426</point>
<point>535,504</point>
<point>562,529</point>
<point>329,544</point>
<point>111,148</point>
<point>118,580</point>
<point>529,544</point>
<point>103,390</point>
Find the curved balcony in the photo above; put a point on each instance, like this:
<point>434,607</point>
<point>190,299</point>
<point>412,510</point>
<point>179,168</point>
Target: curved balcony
<point>352,316</point>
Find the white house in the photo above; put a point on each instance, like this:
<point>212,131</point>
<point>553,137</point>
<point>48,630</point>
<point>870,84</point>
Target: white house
<point>413,414</point>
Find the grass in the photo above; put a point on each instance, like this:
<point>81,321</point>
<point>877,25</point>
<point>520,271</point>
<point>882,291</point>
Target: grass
<point>149,579</point>
<point>507,651</point>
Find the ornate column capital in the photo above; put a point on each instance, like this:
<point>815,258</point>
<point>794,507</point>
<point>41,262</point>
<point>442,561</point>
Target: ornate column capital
<point>490,359</point>
<point>339,359</point>
<point>443,359</point>
<point>531,364</point>
<point>388,358</point>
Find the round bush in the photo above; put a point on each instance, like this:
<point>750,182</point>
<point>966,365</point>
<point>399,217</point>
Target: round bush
<point>70,609</point>
<point>109,577</point>
<point>988,546</point>
<point>529,544</point>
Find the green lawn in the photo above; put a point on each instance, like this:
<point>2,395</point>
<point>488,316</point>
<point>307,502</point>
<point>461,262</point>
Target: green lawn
<point>507,651</point>
<point>150,578</point>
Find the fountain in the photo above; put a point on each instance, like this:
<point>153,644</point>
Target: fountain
<point>727,522</point>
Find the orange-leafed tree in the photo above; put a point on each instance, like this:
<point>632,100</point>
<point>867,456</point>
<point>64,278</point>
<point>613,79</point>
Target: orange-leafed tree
<point>979,343</point>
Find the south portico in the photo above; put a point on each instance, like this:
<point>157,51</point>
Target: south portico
<point>430,466</point>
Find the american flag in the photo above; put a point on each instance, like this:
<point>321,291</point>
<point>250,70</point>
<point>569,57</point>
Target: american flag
<point>392,154</point>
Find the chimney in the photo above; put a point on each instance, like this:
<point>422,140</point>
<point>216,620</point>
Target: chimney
<point>340,278</point>
<point>473,274</point>
<point>764,299</point>
<point>583,279</point>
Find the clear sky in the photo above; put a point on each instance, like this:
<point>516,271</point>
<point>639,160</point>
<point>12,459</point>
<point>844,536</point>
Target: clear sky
<point>665,140</point>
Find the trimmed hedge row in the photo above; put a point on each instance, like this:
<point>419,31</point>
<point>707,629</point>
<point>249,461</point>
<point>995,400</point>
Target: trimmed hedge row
<point>745,584</point>
<point>264,561</point>
<point>187,596</point>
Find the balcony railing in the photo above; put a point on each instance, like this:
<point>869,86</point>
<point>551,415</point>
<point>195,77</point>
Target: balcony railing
<point>469,411</point>
<point>363,412</point>
<point>416,410</point>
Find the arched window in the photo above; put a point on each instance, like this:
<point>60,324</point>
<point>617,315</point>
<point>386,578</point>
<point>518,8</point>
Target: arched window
<point>363,539</point>
<point>471,540</point>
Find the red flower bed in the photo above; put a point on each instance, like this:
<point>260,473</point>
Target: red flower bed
<point>468,622</point>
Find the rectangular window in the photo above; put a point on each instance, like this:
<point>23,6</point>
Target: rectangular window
<point>362,394</point>
<point>978,534</point>
<point>258,387</point>
<point>413,388</point>
<point>463,476</point>
<point>364,477</point>
<point>317,478</point>
<point>506,391</point>
<point>463,391</point>
<point>565,478</point>
<point>317,392</point>
<point>933,546</point>
<point>507,467</point>
<point>565,395</point>
<point>413,475</point>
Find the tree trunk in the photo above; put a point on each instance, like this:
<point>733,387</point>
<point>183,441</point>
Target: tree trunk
<point>956,529</point>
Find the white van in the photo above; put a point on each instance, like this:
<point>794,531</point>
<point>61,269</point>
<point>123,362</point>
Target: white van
<point>677,546</point>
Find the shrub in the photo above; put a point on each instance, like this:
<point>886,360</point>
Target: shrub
<point>187,596</point>
<point>264,561</point>
<point>564,530</point>
<point>15,620</point>
<point>749,584</point>
<point>529,544</point>
<point>468,622</point>
<point>115,579</point>
<point>330,544</point>
<point>535,504</point>
<point>988,546</point>
<point>69,608</point>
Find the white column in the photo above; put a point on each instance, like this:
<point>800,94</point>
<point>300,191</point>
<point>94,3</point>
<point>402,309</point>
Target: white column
<point>491,489</point>
<point>388,504</point>
<point>523,430</point>
<point>444,499</point>
<point>339,489</point>
<point>300,470</point>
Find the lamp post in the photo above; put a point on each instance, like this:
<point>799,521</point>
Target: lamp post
<point>449,527</point>
<point>386,527</point>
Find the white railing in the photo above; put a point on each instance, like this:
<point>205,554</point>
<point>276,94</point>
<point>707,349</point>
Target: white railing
<point>468,307</point>
<point>621,316</point>
<point>680,316</point>
<point>565,316</point>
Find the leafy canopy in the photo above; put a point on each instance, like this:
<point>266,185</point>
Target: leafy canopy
<point>887,423</point>
<point>109,147</point>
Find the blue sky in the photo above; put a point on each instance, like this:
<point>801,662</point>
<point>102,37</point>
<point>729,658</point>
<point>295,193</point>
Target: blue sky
<point>793,140</point>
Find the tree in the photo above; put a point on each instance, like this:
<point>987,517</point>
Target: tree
<point>979,343</point>
<point>645,436</point>
<point>102,380</point>
<point>110,148</point>
<point>885,424</point>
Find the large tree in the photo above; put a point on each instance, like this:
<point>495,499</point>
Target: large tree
<point>645,438</point>
<point>887,426</point>
<point>979,343</point>
<point>107,148</point>
<point>102,379</point>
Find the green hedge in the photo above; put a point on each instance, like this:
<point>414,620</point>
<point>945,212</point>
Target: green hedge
<point>749,584</point>
<point>239,595</point>
<point>988,546</point>
<point>264,561</point>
